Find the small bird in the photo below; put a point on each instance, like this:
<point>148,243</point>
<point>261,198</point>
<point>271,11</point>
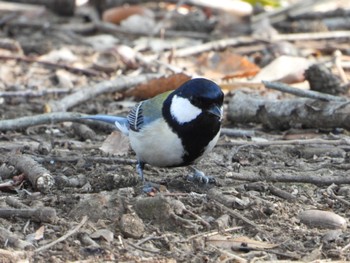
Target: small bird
<point>175,128</point>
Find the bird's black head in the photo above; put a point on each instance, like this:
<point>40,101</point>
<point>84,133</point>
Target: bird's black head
<point>202,93</point>
<point>194,112</point>
<point>196,97</point>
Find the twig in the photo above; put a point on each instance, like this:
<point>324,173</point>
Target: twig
<point>301,93</point>
<point>14,202</point>
<point>201,220</point>
<point>94,159</point>
<point>281,193</point>
<point>288,142</point>
<point>114,29</point>
<point>345,247</point>
<point>237,132</point>
<point>333,195</point>
<point>154,251</point>
<point>64,237</point>
<point>337,62</point>
<point>33,93</point>
<point>232,256</point>
<point>47,118</point>
<point>83,131</point>
<point>44,214</point>
<point>311,36</point>
<point>214,45</point>
<point>118,84</point>
<point>213,233</point>
<point>88,72</point>
<point>237,215</point>
<point>290,178</point>
<point>39,176</point>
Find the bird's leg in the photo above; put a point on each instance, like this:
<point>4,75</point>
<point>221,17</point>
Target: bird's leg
<point>147,187</point>
<point>139,167</point>
<point>200,177</point>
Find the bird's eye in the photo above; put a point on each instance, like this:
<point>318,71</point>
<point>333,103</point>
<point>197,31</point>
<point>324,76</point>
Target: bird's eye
<point>195,101</point>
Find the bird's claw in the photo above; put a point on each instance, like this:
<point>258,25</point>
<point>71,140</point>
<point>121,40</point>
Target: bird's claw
<point>201,178</point>
<point>149,188</point>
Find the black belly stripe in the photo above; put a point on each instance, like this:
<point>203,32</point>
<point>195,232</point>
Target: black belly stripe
<point>195,135</point>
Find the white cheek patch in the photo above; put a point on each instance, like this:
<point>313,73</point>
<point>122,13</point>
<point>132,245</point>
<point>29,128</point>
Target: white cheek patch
<point>183,110</point>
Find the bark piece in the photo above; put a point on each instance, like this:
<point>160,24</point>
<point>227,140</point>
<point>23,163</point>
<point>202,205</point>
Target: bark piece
<point>39,177</point>
<point>321,79</point>
<point>44,214</point>
<point>291,113</point>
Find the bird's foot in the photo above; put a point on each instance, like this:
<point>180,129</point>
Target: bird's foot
<point>149,188</point>
<point>200,177</point>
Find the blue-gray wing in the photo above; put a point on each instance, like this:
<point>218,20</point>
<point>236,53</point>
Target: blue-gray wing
<point>135,117</point>
<point>144,113</point>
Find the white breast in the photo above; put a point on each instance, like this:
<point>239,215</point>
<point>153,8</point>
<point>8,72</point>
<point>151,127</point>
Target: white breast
<point>157,145</point>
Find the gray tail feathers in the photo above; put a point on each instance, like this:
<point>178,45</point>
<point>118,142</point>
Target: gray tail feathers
<point>120,122</point>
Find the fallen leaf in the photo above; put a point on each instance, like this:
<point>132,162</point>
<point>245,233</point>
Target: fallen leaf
<point>116,143</point>
<point>37,235</point>
<point>117,14</point>
<point>284,69</point>
<point>226,65</point>
<point>158,86</point>
<point>103,233</point>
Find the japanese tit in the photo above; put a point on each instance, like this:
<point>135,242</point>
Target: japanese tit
<point>175,128</point>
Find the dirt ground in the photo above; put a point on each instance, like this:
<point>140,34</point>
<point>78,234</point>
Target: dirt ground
<point>97,211</point>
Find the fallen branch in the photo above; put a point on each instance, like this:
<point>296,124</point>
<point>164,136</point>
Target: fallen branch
<point>236,214</point>
<point>288,142</point>
<point>33,93</point>
<point>120,83</point>
<point>291,178</point>
<point>237,132</point>
<point>93,159</point>
<point>292,113</point>
<point>302,93</point>
<point>44,214</point>
<point>88,72</point>
<point>47,118</point>
<point>39,177</point>
<point>214,45</point>
<point>311,36</point>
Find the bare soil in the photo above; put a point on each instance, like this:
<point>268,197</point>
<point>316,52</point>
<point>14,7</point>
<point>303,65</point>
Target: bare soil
<point>183,221</point>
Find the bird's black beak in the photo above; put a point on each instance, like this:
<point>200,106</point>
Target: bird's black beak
<point>216,111</point>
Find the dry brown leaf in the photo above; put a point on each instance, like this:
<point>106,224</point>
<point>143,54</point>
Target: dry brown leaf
<point>117,14</point>
<point>226,65</point>
<point>116,143</point>
<point>158,86</point>
<point>228,242</point>
<point>37,235</point>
